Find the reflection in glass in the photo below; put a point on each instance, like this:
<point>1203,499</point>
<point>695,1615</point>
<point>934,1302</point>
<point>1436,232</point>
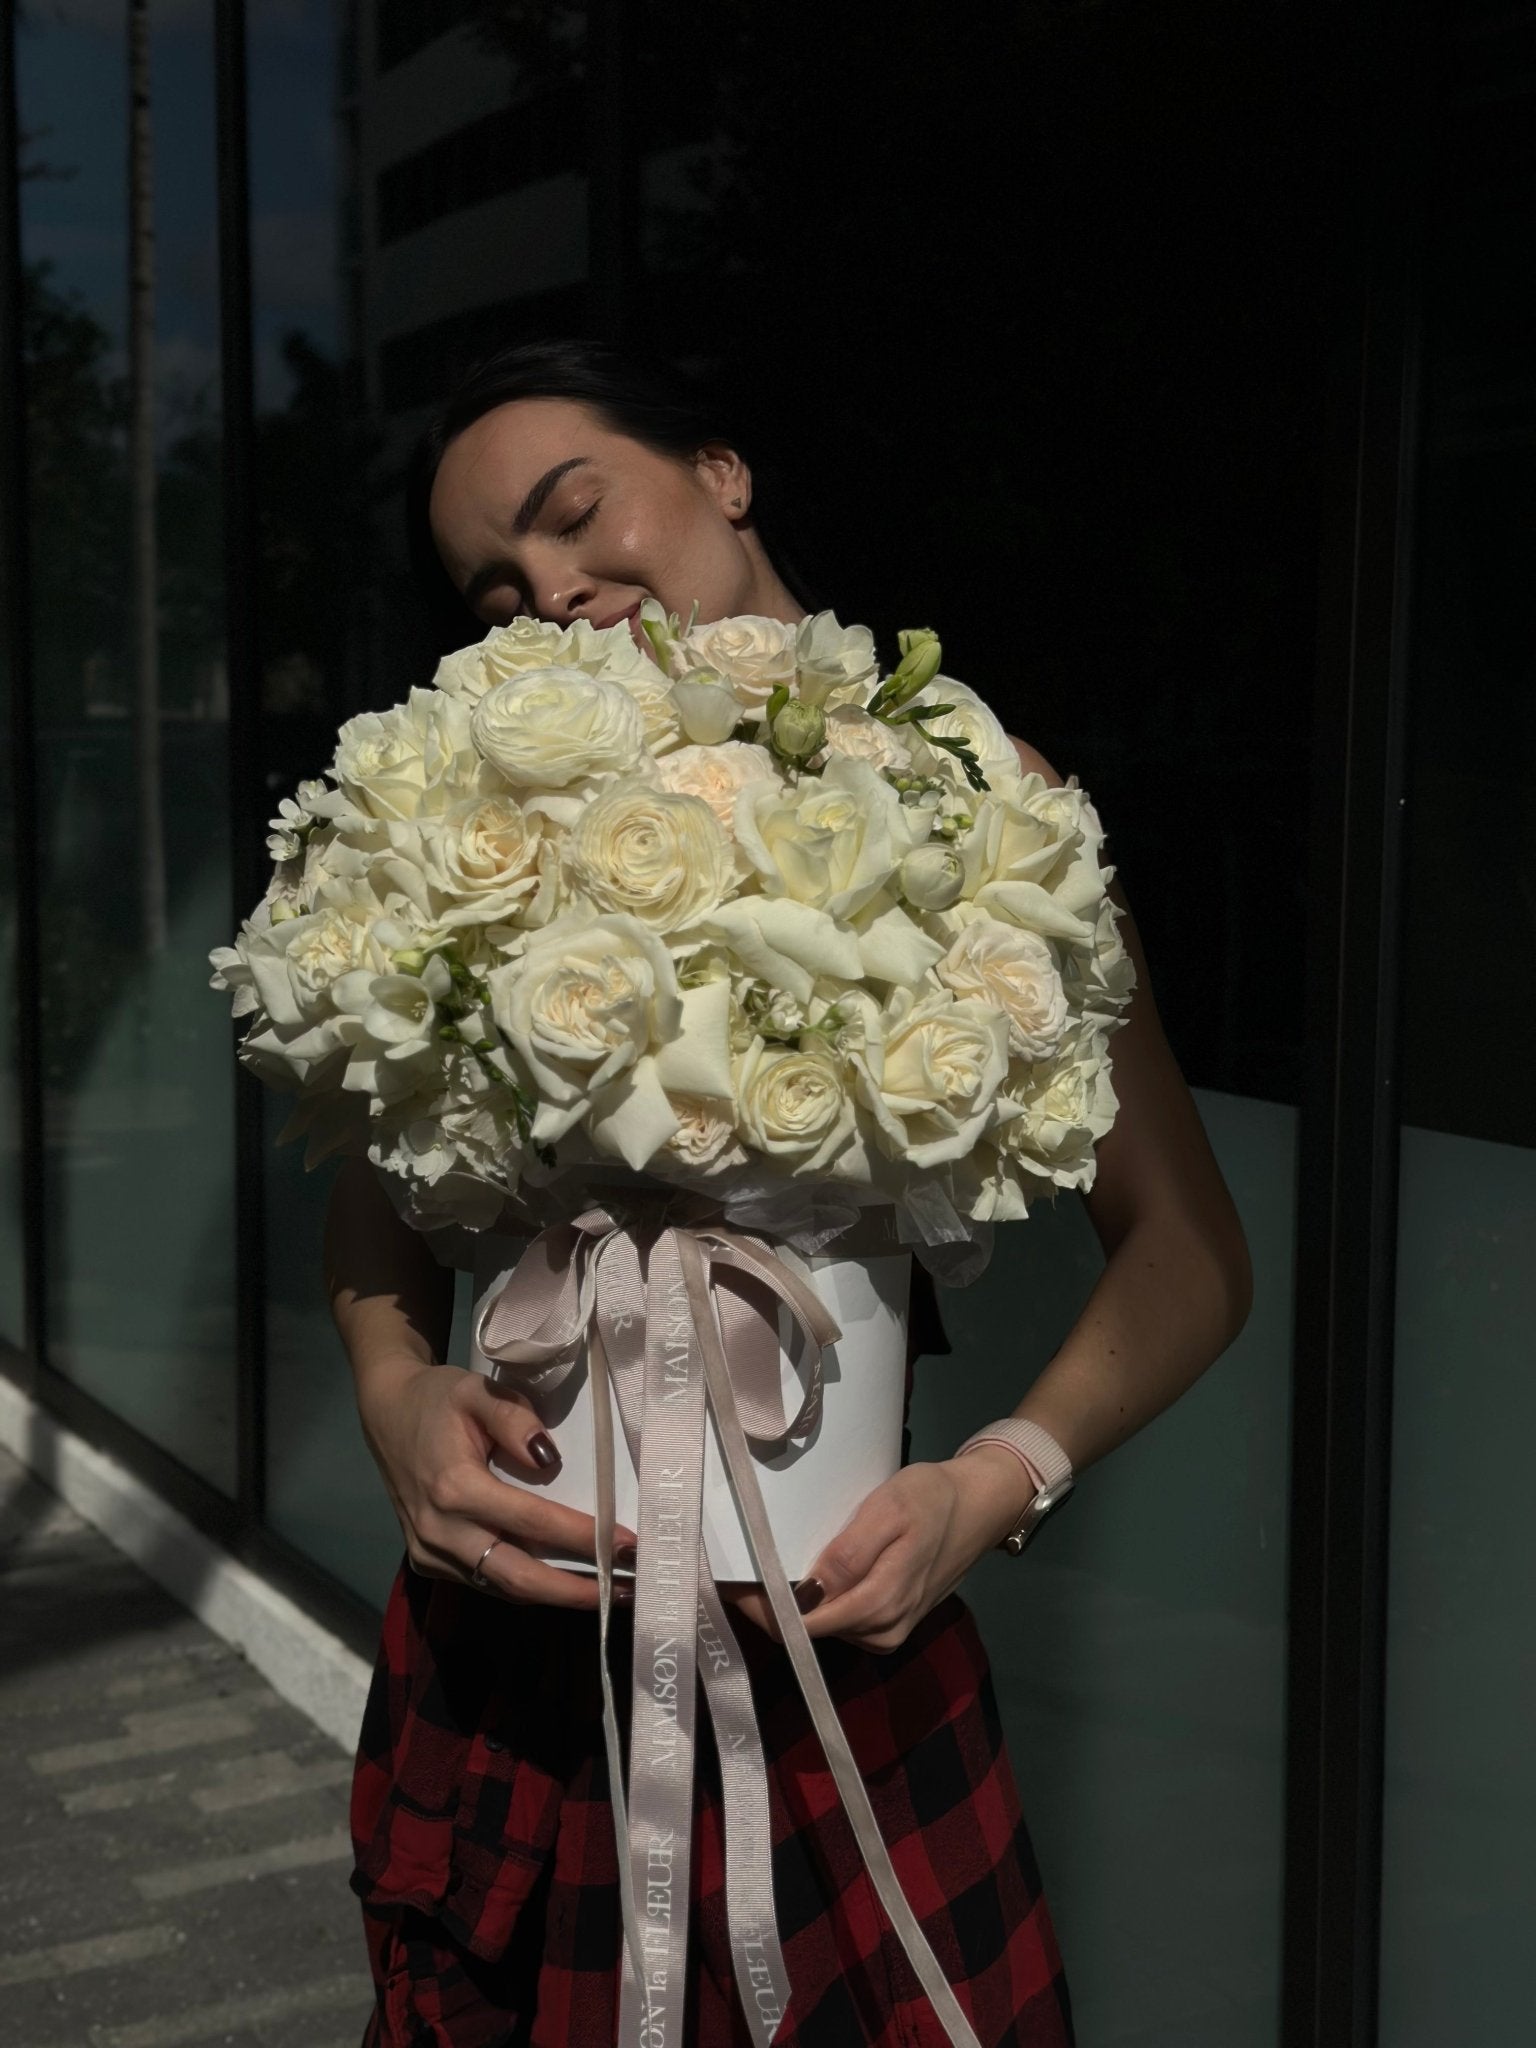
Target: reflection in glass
<point>131,715</point>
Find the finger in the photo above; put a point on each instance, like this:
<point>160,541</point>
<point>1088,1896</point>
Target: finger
<point>512,1575</point>
<point>848,1559</point>
<point>872,1605</point>
<point>512,1423</point>
<point>535,1521</point>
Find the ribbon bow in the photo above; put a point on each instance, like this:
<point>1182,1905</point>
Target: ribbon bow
<point>632,1283</point>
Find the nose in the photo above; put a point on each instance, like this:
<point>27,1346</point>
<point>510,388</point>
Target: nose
<point>559,590</point>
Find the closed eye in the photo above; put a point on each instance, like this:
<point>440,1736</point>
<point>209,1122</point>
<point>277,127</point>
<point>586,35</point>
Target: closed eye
<point>580,525</point>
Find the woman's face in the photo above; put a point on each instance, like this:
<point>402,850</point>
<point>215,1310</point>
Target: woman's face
<point>538,508</point>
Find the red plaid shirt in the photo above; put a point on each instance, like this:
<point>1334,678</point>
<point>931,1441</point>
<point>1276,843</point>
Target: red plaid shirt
<point>487,1866</point>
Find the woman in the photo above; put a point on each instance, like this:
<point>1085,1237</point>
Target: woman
<point>571,481</point>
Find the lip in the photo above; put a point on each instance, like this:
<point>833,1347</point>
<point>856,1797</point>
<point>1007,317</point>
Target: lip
<point>619,618</point>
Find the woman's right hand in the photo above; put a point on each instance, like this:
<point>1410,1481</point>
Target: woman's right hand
<point>431,1429</point>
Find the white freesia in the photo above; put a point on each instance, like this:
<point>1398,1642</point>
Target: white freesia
<point>554,726</point>
<point>835,664</point>
<point>1016,972</point>
<point>717,775</point>
<point>754,655</point>
<point>658,854</point>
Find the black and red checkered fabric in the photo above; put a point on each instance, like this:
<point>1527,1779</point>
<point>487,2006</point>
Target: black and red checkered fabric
<point>486,1863</point>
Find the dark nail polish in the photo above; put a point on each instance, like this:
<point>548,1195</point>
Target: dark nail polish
<point>542,1450</point>
<point>808,1594</point>
<point>626,1557</point>
<point>623,1593</point>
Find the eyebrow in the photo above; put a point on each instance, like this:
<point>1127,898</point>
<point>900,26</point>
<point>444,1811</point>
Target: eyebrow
<point>527,512</point>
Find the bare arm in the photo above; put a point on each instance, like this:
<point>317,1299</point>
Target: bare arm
<point>1177,1285</point>
<point>431,1428</point>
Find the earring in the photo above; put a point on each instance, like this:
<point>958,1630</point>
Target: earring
<point>735,501</point>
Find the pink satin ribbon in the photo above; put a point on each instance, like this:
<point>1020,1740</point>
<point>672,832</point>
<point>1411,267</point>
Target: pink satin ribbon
<point>631,1284</point>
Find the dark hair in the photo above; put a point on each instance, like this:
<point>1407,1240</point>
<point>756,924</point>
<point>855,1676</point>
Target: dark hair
<point>634,392</point>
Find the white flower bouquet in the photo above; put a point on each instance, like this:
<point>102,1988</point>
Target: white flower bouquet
<point>729,908</point>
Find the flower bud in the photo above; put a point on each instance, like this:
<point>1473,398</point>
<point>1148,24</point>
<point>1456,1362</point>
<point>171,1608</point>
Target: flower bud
<point>932,877</point>
<point>919,664</point>
<point>408,959</point>
<point>800,730</point>
<point>709,711</point>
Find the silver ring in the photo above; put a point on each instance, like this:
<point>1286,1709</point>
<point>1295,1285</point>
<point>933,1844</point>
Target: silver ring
<point>477,1577</point>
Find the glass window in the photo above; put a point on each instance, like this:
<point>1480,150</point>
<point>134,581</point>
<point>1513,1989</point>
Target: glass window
<point>1458,1878</point>
<point>131,761</point>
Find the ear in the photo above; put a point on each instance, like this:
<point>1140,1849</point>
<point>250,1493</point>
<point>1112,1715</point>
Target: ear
<point>726,477</point>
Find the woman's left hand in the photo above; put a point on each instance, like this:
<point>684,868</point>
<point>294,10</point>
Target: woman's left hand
<point>905,1548</point>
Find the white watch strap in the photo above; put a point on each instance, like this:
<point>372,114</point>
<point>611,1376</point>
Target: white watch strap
<point>1034,1446</point>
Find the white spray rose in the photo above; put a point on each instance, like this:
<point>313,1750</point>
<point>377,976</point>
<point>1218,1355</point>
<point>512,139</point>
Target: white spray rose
<point>1016,972</point>
<point>705,1140</point>
<point>851,731</point>
<point>416,757</point>
<point>553,726</point>
<point>718,775</point>
<point>658,855</point>
<point>793,1105</point>
<point>754,655</point>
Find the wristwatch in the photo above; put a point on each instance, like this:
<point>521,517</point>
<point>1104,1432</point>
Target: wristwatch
<point>1040,1454</point>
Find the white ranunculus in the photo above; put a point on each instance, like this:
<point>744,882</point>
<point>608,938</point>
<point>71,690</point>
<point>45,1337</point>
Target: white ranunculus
<point>932,876</point>
<point>718,775</point>
<point>851,731</point>
<point>833,841</point>
<point>931,1069</point>
<point>835,664</point>
<point>484,856</point>
<point>754,655</point>
<point>525,644</point>
<point>657,854</point>
<point>1016,972</point>
<point>970,719</point>
<point>792,1105</point>
<point>554,726</point>
<point>416,757</point>
<point>661,715</point>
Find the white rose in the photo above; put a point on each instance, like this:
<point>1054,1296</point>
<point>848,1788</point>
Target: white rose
<point>755,655</point>
<point>296,962</point>
<point>793,1105</point>
<point>660,714</point>
<point>717,775</point>
<point>833,841</point>
<point>659,855</point>
<point>485,856</point>
<point>932,877</point>
<point>1058,1109</point>
<point>416,757</point>
<point>931,1070</point>
<point>553,726</point>
<point>583,1005</point>
<point>836,664</point>
<point>705,1139</point>
<point>525,644</point>
<point>1015,971</point>
<point>851,731</point>
<point>971,720</point>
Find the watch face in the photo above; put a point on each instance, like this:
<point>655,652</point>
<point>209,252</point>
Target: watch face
<point>1049,1502</point>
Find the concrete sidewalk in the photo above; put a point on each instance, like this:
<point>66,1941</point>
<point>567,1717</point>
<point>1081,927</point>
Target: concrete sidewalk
<point>173,1834</point>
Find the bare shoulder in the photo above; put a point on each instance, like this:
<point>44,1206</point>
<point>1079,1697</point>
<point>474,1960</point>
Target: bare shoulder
<point>1034,762</point>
